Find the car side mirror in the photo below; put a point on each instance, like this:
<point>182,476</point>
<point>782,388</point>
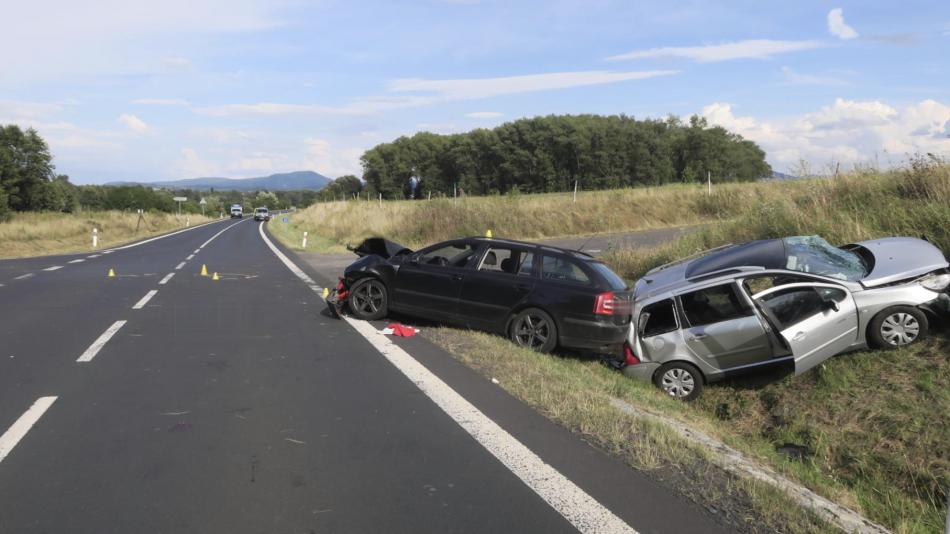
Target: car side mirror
<point>830,304</point>
<point>414,259</point>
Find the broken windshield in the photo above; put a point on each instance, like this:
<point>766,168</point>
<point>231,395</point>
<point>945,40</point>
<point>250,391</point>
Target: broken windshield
<point>812,254</point>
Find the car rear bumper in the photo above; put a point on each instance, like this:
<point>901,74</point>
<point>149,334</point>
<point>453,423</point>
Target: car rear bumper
<point>641,371</point>
<point>596,335</point>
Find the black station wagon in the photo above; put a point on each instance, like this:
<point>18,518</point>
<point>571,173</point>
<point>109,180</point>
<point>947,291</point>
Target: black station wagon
<point>539,296</point>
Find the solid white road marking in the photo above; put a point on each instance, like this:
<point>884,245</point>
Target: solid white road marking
<point>158,237</point>
<point>80,260</point>
<point>569,500</point>
<point>203,245</point>
<point>166,279</point>
<point>180,265</point>
<point>290,265</point>
<point>141,303</point>
<point>53,268</point>
<point>11,437</point>
<point>23,276</point>
<point>101,342</point>
<point>190,256</point>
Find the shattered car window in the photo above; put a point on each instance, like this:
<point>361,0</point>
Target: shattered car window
<point>812,254</point>
<point>456,255</point>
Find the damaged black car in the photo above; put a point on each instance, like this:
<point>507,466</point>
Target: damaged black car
<point>539,296</point>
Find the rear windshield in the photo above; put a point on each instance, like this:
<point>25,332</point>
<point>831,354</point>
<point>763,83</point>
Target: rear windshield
<point>613,280</point>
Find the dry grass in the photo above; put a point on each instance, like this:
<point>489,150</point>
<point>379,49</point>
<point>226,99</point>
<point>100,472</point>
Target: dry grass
<point>36,234</point>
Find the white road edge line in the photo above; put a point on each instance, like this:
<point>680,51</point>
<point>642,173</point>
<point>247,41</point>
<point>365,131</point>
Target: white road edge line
<point>203,245</point>
<point>53,268</point>
<point>166,279</point>
<point>101,342</point>
<point>180,265</point>
<point>80,260</point>
<point>141,303</point>
<point>569,500</point>
<point>159,237</point>
<point>11,437</point>
<point>23,276</point>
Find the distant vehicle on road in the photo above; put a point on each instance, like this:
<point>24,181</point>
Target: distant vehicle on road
<point>539,296</point>
<point>237,211</point>
<point>261,214</point>
<point>796,299</point>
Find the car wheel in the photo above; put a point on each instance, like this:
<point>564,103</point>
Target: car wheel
<point>369,300</point>
<point>534,329</point>
<point>897,326</point>
<point>679,380</point>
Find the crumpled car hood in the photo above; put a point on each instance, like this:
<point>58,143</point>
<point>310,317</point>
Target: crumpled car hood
<point>899,258</point>
<point>380,247</point>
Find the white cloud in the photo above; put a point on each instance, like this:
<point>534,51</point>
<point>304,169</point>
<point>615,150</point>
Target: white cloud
<point>435,91</point>
<point>321,156</point>
<point>133,123</point>
<point>485,114</point>
<point>190,165</point>
<point>750,49</point>
<point>160,102</point>
<point>796,78</point>
<point>176,63</point>
<point>846,131</point>
<point>474,88</point>
<point>837,25</point>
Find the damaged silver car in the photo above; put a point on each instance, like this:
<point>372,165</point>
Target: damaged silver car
<point>796,300</point>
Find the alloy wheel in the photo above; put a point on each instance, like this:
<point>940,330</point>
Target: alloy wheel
<point>532,331</point>
<point>677,382</point>
<point>900,329</point>
<point>369,298</point>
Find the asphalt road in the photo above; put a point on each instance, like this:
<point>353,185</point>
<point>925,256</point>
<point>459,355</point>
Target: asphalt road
<point>238,406</point>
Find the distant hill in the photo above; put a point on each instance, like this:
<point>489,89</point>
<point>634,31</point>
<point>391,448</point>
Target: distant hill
<point>276,182</point>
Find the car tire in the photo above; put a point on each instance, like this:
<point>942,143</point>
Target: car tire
<point>533,328</point>
<point>369,299</point>
<point>680,380</point>
<point>897,326</point>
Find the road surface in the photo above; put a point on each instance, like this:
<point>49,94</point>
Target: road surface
<point>160,400</point>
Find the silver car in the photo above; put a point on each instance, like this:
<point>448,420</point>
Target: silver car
<point>796,300</point>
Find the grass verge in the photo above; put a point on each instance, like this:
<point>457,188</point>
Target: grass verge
<point>37,234</point>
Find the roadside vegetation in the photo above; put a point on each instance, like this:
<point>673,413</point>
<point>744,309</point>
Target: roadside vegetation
<point>41,233</point>
<point>870,426</point>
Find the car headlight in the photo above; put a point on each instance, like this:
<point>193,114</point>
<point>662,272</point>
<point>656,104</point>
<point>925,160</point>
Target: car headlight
<point>935,282</point>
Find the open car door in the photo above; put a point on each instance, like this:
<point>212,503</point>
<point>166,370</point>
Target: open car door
<point>816,320</point>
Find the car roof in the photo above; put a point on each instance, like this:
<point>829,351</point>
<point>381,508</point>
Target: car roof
<point>574,253</point>
<point>721,263</point>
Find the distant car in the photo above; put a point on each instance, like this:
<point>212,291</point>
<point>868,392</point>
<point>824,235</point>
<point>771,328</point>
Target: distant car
<point>237,211</point>
<point>261,214</point>
<point>539,296</point>
<point>796,300</point>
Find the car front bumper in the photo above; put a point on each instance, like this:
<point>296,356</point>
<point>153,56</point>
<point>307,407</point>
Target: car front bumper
<point>939,306</point>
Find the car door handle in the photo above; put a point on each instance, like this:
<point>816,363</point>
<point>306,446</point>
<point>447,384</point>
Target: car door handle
<point>457,277</point>
<point>799,336</point>
<point>698,337</point>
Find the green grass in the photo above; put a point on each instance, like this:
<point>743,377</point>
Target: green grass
<point>41,233</point>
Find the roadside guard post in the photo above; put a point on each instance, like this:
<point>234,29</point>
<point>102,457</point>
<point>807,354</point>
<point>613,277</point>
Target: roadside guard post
<point>303,244</point>
<point>95,238</point>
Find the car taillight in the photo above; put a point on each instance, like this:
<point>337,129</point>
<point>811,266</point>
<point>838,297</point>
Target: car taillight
<point>609,304</point>
<point>628,356</point>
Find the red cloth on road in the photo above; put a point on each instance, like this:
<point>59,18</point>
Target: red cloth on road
<point>402,330</point>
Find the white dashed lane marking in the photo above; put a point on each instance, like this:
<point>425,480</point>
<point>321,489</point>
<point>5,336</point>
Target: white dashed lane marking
<point>166,279</point>
<point>189,257</point>
<point>80,260</point>
<point>11,437</point>
<point>180,265</point>
<point>53,268</point>
<point>23,276</point>
<point>93,256</point>
<point>101,342</point>
<point>141,303</point>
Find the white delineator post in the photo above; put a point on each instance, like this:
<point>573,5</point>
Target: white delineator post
<point>303,244</point>
<point>380,200</point>
<point>575,191</point>
<point>708,183</point>
<point>95,238</point>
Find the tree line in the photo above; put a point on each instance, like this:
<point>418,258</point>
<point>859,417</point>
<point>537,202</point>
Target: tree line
<point>29,182</point>
<point>552,153</point>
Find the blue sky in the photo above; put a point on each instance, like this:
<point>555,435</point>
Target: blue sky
<point>185,88</point>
